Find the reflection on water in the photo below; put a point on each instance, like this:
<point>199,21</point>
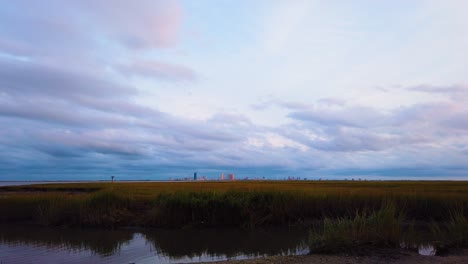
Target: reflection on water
<point>228,243</point>
<point>427,250</point>
<point>98,241</point>
<point>19,244</point>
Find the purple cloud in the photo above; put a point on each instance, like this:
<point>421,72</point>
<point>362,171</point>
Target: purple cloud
<point>40,79</point>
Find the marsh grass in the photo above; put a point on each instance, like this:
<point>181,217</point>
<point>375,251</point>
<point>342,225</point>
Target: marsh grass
<point>56,209</point>
<point>247,204</point>
<point>105,208</point>
<point>452,233</point>
<point>387,228</point>
<point>359,234</point>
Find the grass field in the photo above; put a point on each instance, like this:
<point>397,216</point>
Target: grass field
<point>239,203</point>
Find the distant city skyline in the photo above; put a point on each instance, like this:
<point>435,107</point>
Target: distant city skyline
<point>157,89</point>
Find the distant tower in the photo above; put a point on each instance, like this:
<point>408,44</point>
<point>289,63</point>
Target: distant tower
<point>231,176</point>
<point>195,176</point>
<point>222,176</point>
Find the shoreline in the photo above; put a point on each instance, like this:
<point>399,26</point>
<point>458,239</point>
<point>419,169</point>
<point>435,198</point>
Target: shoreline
<point>388,256</point>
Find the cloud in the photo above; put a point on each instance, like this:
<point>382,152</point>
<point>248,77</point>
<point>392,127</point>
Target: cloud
<point>457,120</point>
<point>424,113</point>
<point>332,101</point>
<point>148,24</point>
<point>158,70</point>
<point>43,92</point>
<point>229,119</point>
<point>351,139</point>
<point>439,89</point>
<point>41,79</point>
<point>297,106</point>
<point>349,116</point>
<point>11,47</point>
<point>94,35</point>
<point>354,128</point>
<point>114,132</point>
<point>344,140</point>
<point>81,93</point>
<point>52,95</point>
<point>80,25</point>
<point>67,115</point>
<point>456,92</point>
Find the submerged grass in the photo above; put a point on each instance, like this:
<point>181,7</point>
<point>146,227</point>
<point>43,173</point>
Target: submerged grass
<point>246,204</point>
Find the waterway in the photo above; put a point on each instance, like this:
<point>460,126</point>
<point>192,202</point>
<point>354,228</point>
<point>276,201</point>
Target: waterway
<point>32,244</point>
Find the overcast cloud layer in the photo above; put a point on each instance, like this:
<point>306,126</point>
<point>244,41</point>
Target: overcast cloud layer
<point>159,89</point>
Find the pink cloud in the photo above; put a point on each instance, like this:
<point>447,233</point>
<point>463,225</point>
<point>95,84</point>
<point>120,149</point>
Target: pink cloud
<point>148,24</point>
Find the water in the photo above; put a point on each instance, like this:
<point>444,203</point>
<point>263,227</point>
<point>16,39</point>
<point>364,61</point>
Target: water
<point>13,183</point>
<point>17,183</point>
<point>26,244</point>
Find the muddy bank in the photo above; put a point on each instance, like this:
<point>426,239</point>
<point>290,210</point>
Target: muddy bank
<point>400,257</point>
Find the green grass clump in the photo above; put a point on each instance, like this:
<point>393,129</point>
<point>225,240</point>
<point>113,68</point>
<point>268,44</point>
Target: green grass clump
<point>453,233</point>
<point>364,231</point>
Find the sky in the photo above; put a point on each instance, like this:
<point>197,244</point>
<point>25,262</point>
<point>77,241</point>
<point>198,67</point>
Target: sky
<point>153,89</point>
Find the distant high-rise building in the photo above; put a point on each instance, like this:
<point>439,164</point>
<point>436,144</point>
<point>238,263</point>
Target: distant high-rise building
<point>194,176</point>
<point>231,176</point>
<point>222,176</point>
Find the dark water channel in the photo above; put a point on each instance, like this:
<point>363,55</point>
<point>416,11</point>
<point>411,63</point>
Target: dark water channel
<point>27,244</point>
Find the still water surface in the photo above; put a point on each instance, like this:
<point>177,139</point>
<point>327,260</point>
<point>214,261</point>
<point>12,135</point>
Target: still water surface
<point>26,244</point>
<point>17,183</point>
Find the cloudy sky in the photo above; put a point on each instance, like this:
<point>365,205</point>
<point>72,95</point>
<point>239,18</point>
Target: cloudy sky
<point>152,89</point>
